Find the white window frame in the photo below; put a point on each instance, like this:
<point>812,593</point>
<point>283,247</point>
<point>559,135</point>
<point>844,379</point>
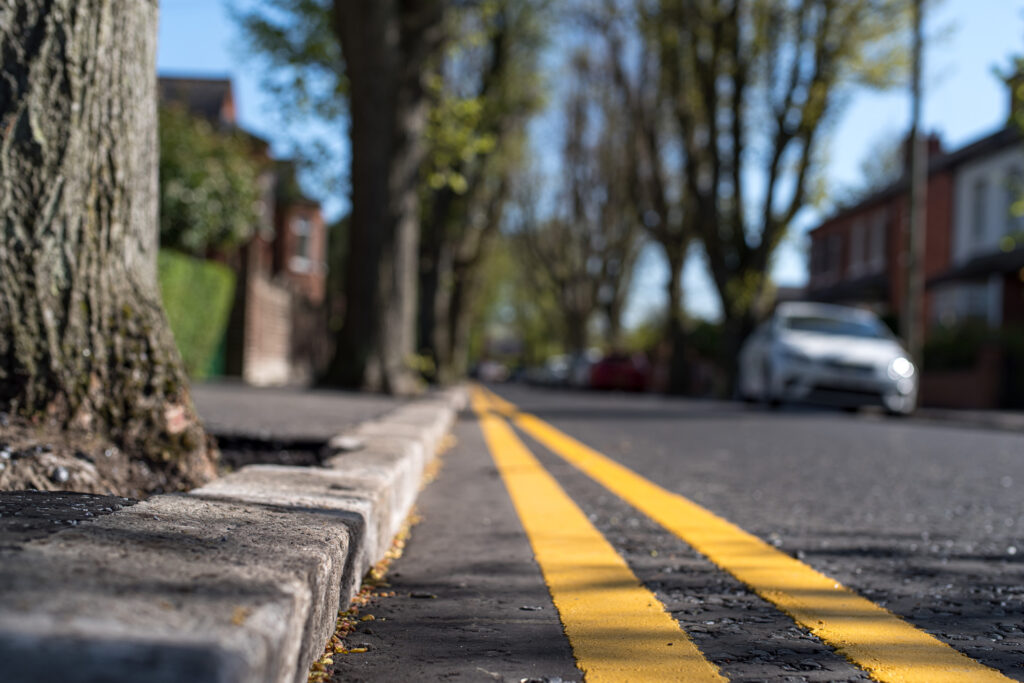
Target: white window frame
<point>302,228</point>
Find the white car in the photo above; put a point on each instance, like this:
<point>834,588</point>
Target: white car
<point>827,353</point>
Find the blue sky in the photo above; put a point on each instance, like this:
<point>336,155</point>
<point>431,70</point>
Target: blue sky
<point>963,101</point>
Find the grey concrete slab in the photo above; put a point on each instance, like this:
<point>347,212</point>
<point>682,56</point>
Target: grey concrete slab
<point>240,580</point>
<point>401,462</point>
<point>367,493</point>
<point>26,515</point>
<point>232,592</point>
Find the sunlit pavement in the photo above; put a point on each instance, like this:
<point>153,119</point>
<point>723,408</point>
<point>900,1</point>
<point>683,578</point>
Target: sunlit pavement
<point>916,525</point>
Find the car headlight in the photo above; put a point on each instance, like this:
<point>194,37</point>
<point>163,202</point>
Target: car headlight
<point>901,368</point>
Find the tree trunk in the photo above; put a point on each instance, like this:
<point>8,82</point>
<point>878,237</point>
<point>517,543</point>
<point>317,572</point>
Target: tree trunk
<point>736,327</point>
<point>440,313</point>
<point>429,291</point>
<point>678,368</point>
<point>613,316</point>
<point>386,45</point>
<point>576,331</point>
<point>83,337</point>
<point>454,356</point>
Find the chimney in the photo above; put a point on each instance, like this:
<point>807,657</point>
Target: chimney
<point>934,146</point>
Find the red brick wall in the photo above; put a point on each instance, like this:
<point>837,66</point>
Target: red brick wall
<point>976,388</point>
<point>268,315</point>
<point>1013,299</point>
<point>313,281</point>
<point>938,238</point>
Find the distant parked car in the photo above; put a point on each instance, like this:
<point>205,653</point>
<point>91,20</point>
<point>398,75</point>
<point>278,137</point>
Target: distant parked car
<point>492,371</point>
<point>580,368</point>
<point>554,372</point>
<point>826,353</point>
<point>626,372</point>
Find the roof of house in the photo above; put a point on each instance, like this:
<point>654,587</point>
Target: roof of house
<point>288,190</point>
<point>204,97</point>
<point>980,267</point>
<point>873,287</point>
<point>990,144</point>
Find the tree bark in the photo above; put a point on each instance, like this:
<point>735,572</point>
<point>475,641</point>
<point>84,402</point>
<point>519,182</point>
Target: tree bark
<point>735,330</point>
<point>678,370</point>
<point>83,337</point>
<point>453,356</point>
<point>386,45</point>
<point>435,265</point>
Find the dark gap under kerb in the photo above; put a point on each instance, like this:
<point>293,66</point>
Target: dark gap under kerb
<point>239,450</point>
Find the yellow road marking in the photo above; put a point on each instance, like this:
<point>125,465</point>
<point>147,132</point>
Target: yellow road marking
<point>618,629</point>
<point>872,637</point>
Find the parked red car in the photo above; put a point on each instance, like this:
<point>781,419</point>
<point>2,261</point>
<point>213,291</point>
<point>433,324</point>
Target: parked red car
<point>621,371</point>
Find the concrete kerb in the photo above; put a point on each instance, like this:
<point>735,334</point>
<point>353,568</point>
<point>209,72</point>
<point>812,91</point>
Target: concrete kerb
<point>239,580</point>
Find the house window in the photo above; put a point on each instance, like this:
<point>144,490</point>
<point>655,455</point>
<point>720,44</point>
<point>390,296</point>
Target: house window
<point>834,256</point>
<point>979,212</point>
<point>1014,192</point>
<point>858,240</point>
<point>817,257</point>
<point>301,258</point>
<point>302,229</point>
<point>876,241</point>
<point>815,264</point>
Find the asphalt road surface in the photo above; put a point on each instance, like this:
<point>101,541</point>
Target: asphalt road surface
<point>595,536</point>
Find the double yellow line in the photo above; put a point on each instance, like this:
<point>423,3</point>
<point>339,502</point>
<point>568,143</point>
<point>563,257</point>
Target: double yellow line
<point>619,630</point>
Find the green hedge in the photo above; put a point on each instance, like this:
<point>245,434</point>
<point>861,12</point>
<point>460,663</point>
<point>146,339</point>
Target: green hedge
<point>197,296</point>
<point>956,347</point>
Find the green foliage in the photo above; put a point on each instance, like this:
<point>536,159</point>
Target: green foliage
<point>297,40</point>
<point>512,305</point>
<point>304,72</point>
<point>209,184</point>
<point>484,90</point>
<point>706,338</point>
<point>197,297</point>
<point>703,336</point>
<point>647,335</point>
<point>770,77</point>
<point>455,138</point>
<point>956,347</point>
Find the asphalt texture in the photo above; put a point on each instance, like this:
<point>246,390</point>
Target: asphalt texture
<point>923,518</point>
<point>470,603</point>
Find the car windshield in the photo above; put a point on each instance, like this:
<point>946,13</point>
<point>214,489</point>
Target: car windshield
<point>846,327</point>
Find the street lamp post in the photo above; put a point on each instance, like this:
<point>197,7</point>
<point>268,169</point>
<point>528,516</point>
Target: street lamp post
<point>912,323</point>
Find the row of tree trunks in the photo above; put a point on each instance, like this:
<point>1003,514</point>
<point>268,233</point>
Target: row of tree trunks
<point>386,44</point>
<point>83,338</point>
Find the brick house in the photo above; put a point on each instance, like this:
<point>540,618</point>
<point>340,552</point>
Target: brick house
<point>277,330</point>
<point>974,260</point>
<point>856,254</point>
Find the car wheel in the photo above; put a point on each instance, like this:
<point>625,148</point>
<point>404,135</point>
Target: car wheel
<point>768,397</point>
<point>739,392</point>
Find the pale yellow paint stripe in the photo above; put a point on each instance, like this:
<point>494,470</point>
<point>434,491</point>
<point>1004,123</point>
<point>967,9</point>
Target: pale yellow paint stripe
<point>887,647</point>
<point>618,629</point>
